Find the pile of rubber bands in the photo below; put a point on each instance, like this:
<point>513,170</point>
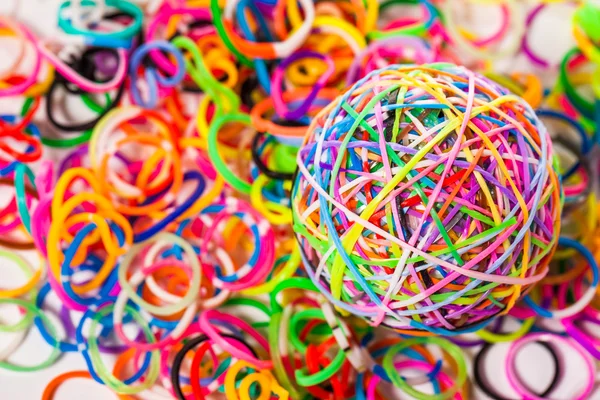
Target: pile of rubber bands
<point>148,175</point>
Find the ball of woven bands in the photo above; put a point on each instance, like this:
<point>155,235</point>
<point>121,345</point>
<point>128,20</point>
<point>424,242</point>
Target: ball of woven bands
<point>426,199</point>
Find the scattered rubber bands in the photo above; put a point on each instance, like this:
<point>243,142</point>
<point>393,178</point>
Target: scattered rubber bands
<point>275,199</point>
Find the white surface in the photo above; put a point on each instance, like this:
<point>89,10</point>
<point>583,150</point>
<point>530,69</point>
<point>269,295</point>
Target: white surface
<point>552,35</point>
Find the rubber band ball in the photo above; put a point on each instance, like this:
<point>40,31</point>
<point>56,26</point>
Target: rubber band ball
<point>426,199</point>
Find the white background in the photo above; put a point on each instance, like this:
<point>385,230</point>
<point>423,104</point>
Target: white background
<point>551,37</point>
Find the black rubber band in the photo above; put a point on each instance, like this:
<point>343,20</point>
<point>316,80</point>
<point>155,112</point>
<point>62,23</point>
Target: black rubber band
<point>481,382</point>
<point>284,176</point>
<point>187,347</point>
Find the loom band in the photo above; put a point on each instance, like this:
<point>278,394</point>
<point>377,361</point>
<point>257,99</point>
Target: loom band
<point>585,299</point>
<point>166,13</point>
<point>420,28</point>
<point>103,234</point>
<point>31,78</point>
<point>72,76</point>
<point>264,50</point>
<point>22,170</point>
<point>278,330</point>
<point>582,106</point>
<point>37,88</point>
<point>585,340</point>
<point>118,119</point>
<point>30,308</point>
<point>194,342</point>
<point>167,180</point>
<point>13,222</point>
<point>304,284</point>
<point>22,326</point>
<point>515,381</point>
<point>154,195</point>
<point>448,347</point>
<point>282,275</point>
<point>63,346</point>
<point>419,365</point>
<point>12,30</point>
<point>525,47</point>
<point>50,390</point>
<point>78,127</point>
<point>215,156</point>
<point>262,124</point>
<point>201,75</point>
<point>105,287</point>
<point>195,281</point>
<point>586,142</point>
<point>30,134</point>
<point>304,71</point>
<point>114,249</point>
<point>587,47</point>
<point>92,357</point>
<point>253,268</point>
<point>217,61</point>
<point>518,26</point>
<point>121,362</point>
<point>418,44</point>
<point>32,277</point>
<point>207,327</point>
<point>175,110</point>
<point>261,378</point>
<point>29,108</point>
<point>274,213</point>
<point>153,77</point>
<point>260,164</point>
<point>483,384</point>
<point>166,340</point>
<point>276,82</point>
<point>177,211</point>
<point>123,6</point>
<point>493,337</point>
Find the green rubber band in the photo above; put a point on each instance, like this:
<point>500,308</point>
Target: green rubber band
<point>109,379</point>
<point>274,335</point>
<point>319,377</point>
<point>215,10</point>
<point>22,170</point>
<point>450,348</point>
<point>54,355</point>
<point>213,152</point>
<point>123,5</point>
<point>585,107</point>
<point>292,283</point>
